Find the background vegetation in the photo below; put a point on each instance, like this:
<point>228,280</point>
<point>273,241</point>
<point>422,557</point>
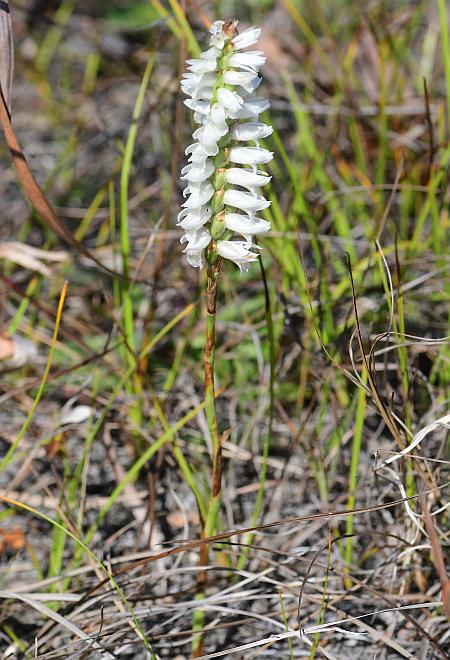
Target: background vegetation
<point>332,355</point>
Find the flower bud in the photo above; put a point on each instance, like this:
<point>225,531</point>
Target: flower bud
<point>218,226</point>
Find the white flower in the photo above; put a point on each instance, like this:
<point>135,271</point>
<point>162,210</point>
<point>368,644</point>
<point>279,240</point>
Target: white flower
<point>217,36</point>
<point>198,172</point>
<point>211,53</point>
<point>245,200</point>
<point>197,153</point>
<point>196,243</point>
<point>222,178</point>
<point>250,60</point>
<point>248,80</point>
<point>197,85</point>
<point>218,117</point>
<point>208,136</point>
<point>239,252</point>
<point>199,194</point>
<point>253,108</point>
<point>246,226</point>
<point>196,240</point>
<point>192,220</point>
<point>197,106</point>
<point>202,66</point>
<point>240,176</point>
<point>247,38</point>
<point>250,155</point>
<point>251,131</point>
<point>229,100</point>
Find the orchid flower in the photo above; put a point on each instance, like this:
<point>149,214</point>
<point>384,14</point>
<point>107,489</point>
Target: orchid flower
<point>223,180</point>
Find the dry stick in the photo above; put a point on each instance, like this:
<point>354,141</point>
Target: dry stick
<point>392,196</point>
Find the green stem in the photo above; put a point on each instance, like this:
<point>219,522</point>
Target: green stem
<point>210,399</point>
<point>209,523</point>
<point>209,352</point>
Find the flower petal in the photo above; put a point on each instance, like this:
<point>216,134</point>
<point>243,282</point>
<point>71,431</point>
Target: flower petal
<point>197,106</point>
<point>194,258</point>
<point>197,153</point>
<point>246,178</point>
<point>245,201</point>
<point>196,243</point>
<point>198,172</point>
<point>229,100</point>
<point>252,108</point>
<point>217,35</point>
<point>246,226</point>
<point>199,196</point>
<point>197,216</point>
<point>202,66</point>
<point>238,252</point>
<point>253,59</point>
<point>250,155</point>
<point>218,117</point>
<point>251,131</point>
<point>211,53</point>
<point>246,38</point>
<point>249,81</point>
<point>208,137</point>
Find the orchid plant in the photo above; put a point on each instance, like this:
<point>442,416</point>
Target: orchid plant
<point>223,192</point>
<point>222,196</point>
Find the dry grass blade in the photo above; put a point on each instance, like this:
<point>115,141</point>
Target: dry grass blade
<point>30,257</point>
<point>51,614</point>
<point>16,351</point>
<point>417,439</point>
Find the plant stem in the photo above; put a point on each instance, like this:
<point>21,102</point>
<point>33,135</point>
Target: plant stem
<point>209,353</point>
<point>210,399</point>
<point>210,522</point>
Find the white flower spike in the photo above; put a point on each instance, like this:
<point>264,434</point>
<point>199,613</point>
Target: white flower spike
<point>223,179</point>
